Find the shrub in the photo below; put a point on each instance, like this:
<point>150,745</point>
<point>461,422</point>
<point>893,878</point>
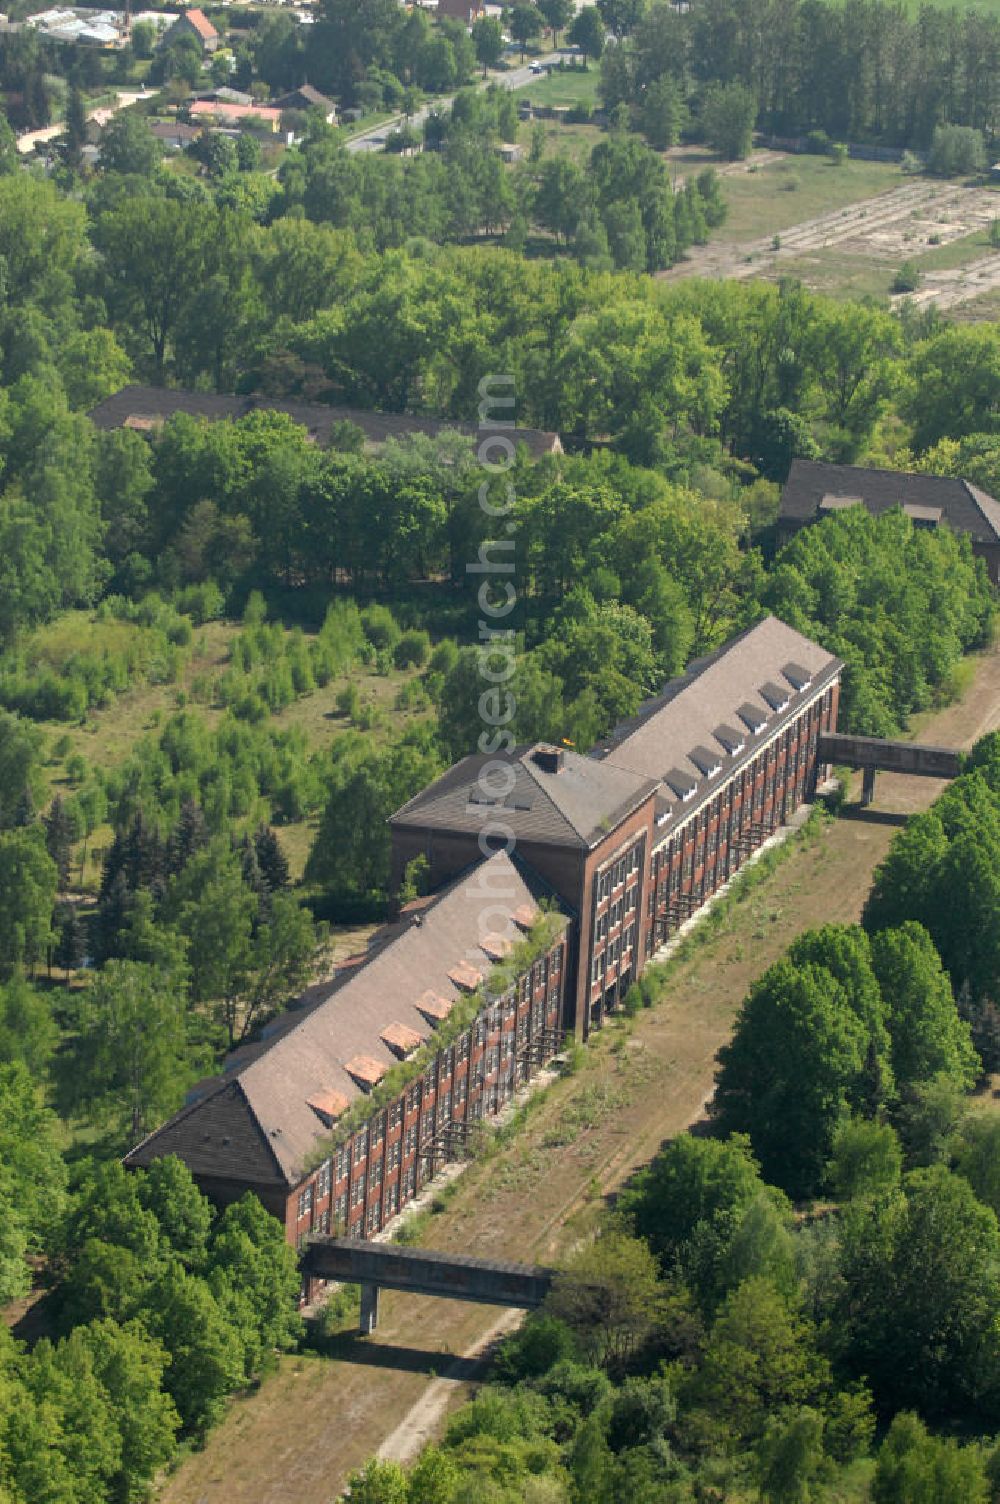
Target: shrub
<point>380,626</point>
<point>412,649</point>
<point>907,279</point>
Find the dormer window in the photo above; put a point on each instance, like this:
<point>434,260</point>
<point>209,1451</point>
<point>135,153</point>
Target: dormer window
<point>496,946</point>
<point>328,1106</point>
<point>465,976</point>
<point>433,1006</point>
<point>752,717</point>
<point>705,761</point>
<point>775,696</point>
<point>731,740</point>
<point>683,785</point>
<point>798,677</point>
<point>401,1040</point>
<point>365,1071</point>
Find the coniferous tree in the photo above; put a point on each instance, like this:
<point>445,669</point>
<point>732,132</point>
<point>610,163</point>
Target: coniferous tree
<point>59,838</point>
<point>189,835</point>
<point>271,859</point>
<point>71,946</point>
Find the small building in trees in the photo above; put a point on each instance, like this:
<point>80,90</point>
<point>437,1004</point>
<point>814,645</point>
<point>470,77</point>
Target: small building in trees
<point>306,98</point>
<point>146,408</point>
<point>465,11</point>
<point>194,23</point>
<point>815,489</point>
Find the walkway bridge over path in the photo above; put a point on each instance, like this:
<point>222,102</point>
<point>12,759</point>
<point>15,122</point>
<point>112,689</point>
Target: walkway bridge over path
<point>872,754</point>
<point>423,1271</point>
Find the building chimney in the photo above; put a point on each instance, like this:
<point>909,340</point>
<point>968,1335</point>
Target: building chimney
<point>550,759</point>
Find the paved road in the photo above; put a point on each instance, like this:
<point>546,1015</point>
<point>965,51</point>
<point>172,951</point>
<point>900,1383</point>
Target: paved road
<point>515,78</point>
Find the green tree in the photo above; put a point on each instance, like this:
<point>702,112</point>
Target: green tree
<point>20,763</point>
<point>129,146</point>
<point>487,37</point>
<point>867,1160</point>
<point>610,1295</point>
<point>253,1274</point>
<point>206,1354</point>
<point>761,1361</point>
<point>379,1483</point>
<point>184,1215</point>
<point>587,32</point>
<point>956,150</point>
<point>916,1468</point>
<point>130,1366</point>
<point>525,23</point>
<point>920,1284</point>
<point>558,14</point>
<point>28,1031</point>
<point>794,1068</point>
<point>790,1457</point>
<point>928,1037</point>
<point>131,1059</point>
<point>728,115</point>
<point>662,113</point>
<point>27,893</point>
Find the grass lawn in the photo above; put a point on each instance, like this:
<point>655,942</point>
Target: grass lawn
<point>562,87</point>
<point>573,141</point>
<point>837,274</point>
<point>764,201</point>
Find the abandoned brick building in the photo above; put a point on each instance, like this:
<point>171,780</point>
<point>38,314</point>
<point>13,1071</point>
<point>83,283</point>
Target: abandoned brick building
<point>555,877</point>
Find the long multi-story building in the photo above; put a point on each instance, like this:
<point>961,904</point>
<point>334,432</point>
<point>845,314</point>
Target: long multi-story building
<point>635,837</point>
<point>555,877</point>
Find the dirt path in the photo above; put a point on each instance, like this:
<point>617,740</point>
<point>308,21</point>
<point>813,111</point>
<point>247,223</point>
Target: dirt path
<point>296,1439</point>
<point>891,227</point>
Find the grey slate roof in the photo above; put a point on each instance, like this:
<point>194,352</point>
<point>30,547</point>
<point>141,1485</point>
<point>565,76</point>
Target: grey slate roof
<point>146,406</point>
<point>257,1121</point>
<point>965,507</point>
<point>575,806</point>
<point>713,707</point>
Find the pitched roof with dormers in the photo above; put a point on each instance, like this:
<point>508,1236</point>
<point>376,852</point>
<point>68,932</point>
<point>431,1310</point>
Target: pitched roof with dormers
<point>704,723</point>
<point>262,1119</point>
<point>549,795</point>
<point>814,488</point>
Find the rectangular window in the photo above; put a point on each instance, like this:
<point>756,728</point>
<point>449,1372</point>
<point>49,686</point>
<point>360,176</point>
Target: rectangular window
<point>360,1146</point>
<point>376,1176</point>
<point>358,1191</point>
<point>323,1225</point>
<point>340,1210</point>
<point>306,1201</point>
<point>343,1161</point>
<point>323,1182</point>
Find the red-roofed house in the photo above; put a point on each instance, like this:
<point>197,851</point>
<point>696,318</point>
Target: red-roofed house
<point>195,23</point>
<point>247,117</point>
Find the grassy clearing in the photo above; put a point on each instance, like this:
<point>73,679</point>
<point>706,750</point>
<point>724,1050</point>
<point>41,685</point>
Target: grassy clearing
<point>573,141</point>
<point>837,274</point>
<point>763,201</point>
<point>944,258</point>
<point>562,88</point>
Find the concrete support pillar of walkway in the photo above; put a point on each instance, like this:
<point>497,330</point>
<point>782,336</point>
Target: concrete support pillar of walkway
<point>867,787</point>
<point>369,1309</point>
